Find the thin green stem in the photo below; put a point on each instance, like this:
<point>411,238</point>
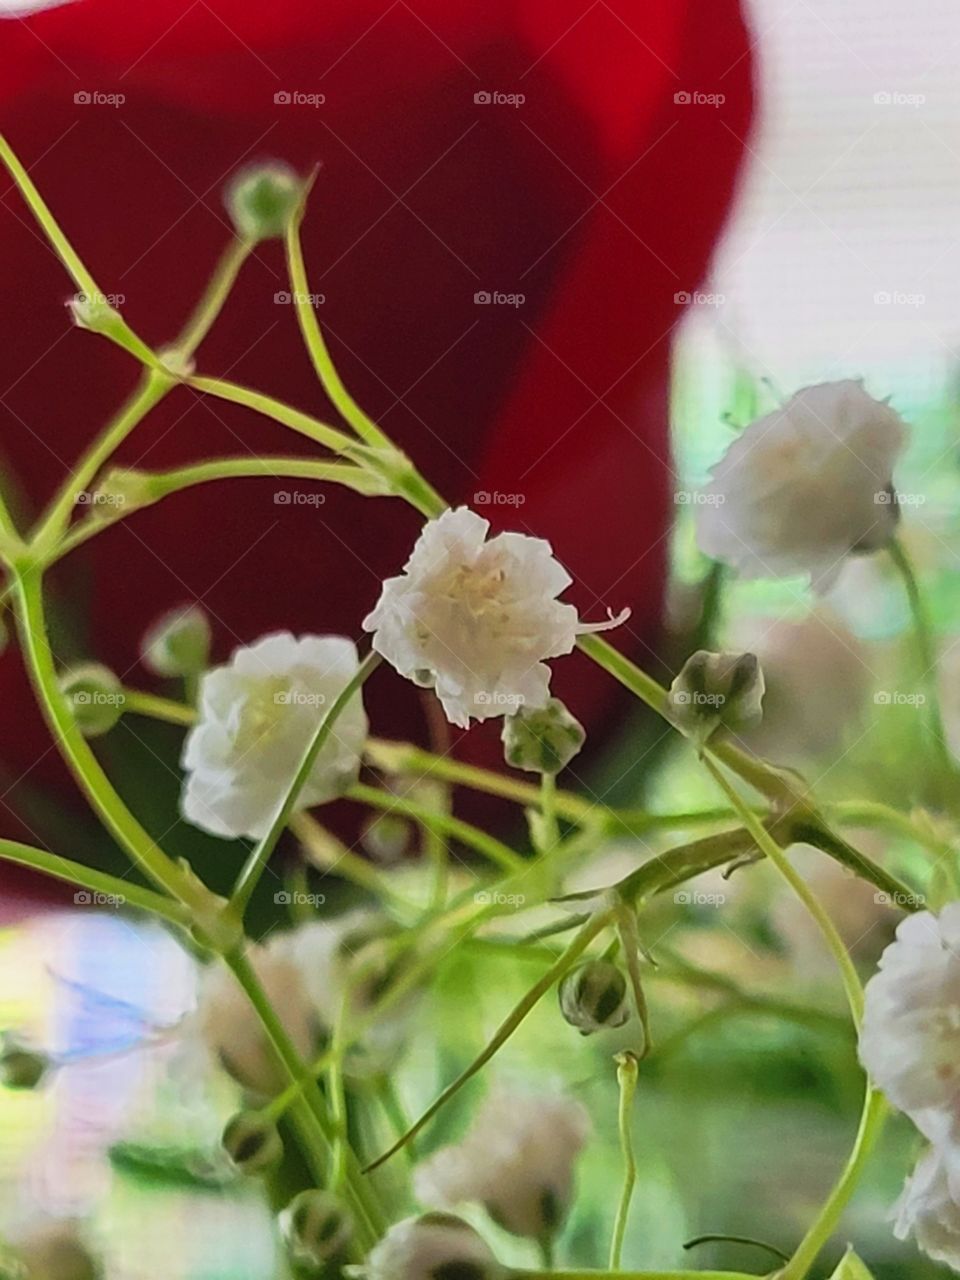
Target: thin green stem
<point>75,749</point>
<point>215,295</point>
<point>627,1073</point>
<point>256,863</point>
<point>494,850</point>
<point>768,845</point>
<point>136,702</point>
<point>326,852</point>
<point>871,1123</point>
<point>285,414</point>
<point>926,654</point>
<point>121,892</point>
<point>595,925</point>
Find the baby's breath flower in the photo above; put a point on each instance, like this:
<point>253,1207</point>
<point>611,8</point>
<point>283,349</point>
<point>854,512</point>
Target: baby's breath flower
<point>178,643</point>
<point>805,485</point>
<point>594,996</point>
<point>475,619</point>
<point>929,1212</point>
<point>544,740</point>
<point>316,1227</point>
<point>910,1038</point>
<point>435,1246</point>
<point>517,1161</point>
<point>257,716</point>
<point>261,199</point>
<point>252,1142</point>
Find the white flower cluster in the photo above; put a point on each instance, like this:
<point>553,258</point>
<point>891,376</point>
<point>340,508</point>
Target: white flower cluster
<point>474,619</point>
<point>804,486</point>
<point>910,1046</point>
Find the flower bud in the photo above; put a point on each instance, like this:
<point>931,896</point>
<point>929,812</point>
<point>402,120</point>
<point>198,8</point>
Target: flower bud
<point>316,1227</point>
<point>594,996</point>
<point>543,740</point>
<point>386,838</point>
<point>261,200</point>
<point>714,689</point>
<point>122,490</point>
<point>21,1067</point>
<point>436,1246</point>
<point>178,643</point>
<point>252,1142</point>
<point>94,313</point>
<point>95,695</point>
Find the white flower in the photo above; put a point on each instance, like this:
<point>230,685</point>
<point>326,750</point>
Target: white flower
<point>927,1210</point>
<point>257,716</point>
<point>435,1246</point>
<point>474,619</point>
<point>517,1161</point>
<point>910,1038</point>
<point>805,485</point>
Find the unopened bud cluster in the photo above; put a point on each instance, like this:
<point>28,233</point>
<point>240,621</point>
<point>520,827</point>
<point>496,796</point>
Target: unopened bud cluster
<point>716,689</point>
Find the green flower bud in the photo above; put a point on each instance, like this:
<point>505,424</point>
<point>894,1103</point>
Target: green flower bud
<point>178,643</point>
<point>262,199</point>
<point>594,996</point>
<point>714,689</point>
<point>542,741</point>
<point>386,838</point>
<point>21,1067</point>
<point>95,695</point>
<point>96,313</point>
<point>252,1142</point>
<point>316,1227</point>
<point>122,490</point>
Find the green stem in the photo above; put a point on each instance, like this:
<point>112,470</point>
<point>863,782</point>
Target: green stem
<point>871,1123</point>
<point>136,702</point>
<point>328,853</point>
<point>496,851</point>
<point>627,1073</point>
<point>927,656</point>
<point>215,295</point>
<point>285,414</point>
<point>134,895</point>
<point>768,845</point>
<point>154,385</point>
<point>132,837</point>
<point>259,856</point>
<point>595,925</point>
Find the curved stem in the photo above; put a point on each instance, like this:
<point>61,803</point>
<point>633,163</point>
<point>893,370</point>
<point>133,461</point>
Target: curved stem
<point>627,1073</point>
<point>215,295</point>
<point>871,1122</point>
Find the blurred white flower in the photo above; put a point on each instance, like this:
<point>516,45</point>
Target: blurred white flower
<point>805,485</point>
<point>517,1160</point>
<point>307,973</point>
<point>474,619</point>
<point>864,917</point>
<point>910,1038</point>
<point>257,716</point>
<point>431,1247</point>
<point>817,683</point>
<point>927,1211</point>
